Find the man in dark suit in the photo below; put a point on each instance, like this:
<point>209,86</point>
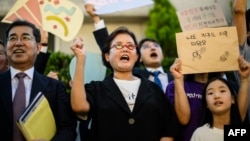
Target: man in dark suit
<point>152,58</point>
<point>23,44</point>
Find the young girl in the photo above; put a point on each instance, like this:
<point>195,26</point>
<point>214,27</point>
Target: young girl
<point>185,93</point>
<point>222,106</point>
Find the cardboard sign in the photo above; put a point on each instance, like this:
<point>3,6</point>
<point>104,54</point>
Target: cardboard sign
<point>201,17</point>
<point>60,17</point>
<point>110,6</point>
<point>208,50</point>
<point>186,4</point>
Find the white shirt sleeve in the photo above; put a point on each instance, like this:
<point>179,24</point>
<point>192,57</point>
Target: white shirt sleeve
<point>99,25</point>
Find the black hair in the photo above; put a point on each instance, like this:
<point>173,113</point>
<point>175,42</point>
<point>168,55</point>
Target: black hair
<point>36,31</point>
<point>106,48</point>
<point>235,117</point>
<point>190,77</point>
<point>145,40</point>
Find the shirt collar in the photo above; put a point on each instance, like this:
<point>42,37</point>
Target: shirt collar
<point>157,69</point>
<point>29,72</point>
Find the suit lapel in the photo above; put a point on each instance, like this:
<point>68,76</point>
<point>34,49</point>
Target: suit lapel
<point>39,84</point>
<point>115,94</point>
<point>144,93</point>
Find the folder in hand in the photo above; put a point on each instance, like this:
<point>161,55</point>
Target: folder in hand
<point>37,121</point>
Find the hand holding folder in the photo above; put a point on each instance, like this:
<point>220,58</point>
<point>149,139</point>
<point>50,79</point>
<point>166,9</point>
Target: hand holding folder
<point>37,121</point>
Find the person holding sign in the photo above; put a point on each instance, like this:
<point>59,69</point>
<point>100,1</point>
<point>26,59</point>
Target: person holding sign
<point>185,93</point>
<point>221,106</point>
<point>20,84</point>
<point>242,23</point>
<point>186,96</point>
<point>123,106</point>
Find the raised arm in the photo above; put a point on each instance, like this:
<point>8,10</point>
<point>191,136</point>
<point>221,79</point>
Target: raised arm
<point>239,19</point>
<point>244,72</point>
<point>78,100</point>
<point>43,56</point>
<point>181,103</point>
<point>101,32</point>
<point>90,9</point>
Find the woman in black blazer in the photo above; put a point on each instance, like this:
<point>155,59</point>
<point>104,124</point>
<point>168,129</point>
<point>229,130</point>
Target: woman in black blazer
<point>123,106</point>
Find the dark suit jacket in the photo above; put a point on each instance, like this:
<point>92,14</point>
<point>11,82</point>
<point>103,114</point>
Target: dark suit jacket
<point>57,97</point>
<point>41,62</point>
<point>144,72</point>
<point>152,117</point>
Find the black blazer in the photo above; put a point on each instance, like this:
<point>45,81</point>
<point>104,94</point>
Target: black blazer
<point>57,97</point>
<point>153,115</point>
<point>41,62</point>
<point>100,36</point>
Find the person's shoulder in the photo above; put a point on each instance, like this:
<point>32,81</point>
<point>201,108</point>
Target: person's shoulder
<point>199,131</point>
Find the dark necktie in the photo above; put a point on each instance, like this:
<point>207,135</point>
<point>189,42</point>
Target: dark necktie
<point>156,78</point>
<point>18,106</point>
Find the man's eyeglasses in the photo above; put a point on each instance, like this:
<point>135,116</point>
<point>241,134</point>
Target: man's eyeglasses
<point>23,38</point>
<point>145,46</point>
<point>120,46</point>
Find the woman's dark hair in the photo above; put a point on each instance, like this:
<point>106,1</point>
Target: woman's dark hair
<point>190,77</point>
<point>106,48</point>
<point>235,117</point>
<point>36,31</point>
<point>145,40</point>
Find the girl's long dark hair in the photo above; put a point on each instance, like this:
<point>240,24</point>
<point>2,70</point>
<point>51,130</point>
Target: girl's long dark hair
<point>235,118</point>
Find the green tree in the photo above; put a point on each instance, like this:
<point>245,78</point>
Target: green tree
<point>59,62</point>
<point>162,26</point>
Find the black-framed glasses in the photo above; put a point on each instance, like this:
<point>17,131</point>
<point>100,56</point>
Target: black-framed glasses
<point>23,38</point>
<point>120,46</point>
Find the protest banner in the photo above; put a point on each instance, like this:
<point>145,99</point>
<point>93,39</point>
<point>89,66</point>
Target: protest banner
<point>208,50</point>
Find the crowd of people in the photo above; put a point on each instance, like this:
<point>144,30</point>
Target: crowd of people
<point>138,100</point>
